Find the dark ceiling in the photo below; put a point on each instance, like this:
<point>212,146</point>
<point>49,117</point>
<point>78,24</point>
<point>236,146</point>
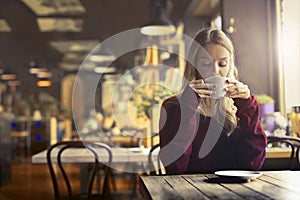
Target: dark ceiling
<point>101,19</point>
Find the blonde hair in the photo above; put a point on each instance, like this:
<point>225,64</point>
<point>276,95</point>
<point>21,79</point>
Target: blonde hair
<point>224,107</point>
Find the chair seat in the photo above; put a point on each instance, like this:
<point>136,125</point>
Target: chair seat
<point>292,142</point>
<point>20,142</point>
<point>19,134</point>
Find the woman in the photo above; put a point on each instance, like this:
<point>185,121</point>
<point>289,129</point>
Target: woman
<point>200,134</point>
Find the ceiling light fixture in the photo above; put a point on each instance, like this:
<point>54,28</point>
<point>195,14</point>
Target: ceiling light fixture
<point>7,75</point>
<point>35,68</point>
<point>44,83</point>
<point>101,58</point>
<point>57,7</point>
<point>44,74</point>
<point>4,27</point>
<point>104,69</point>
<point>60,25</point>
<point>161,26</point>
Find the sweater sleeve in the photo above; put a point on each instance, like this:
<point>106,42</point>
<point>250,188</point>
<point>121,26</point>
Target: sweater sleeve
<point>251,139</point>
<point>178,126</point>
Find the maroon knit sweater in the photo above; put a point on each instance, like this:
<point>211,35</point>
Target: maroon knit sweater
<point>183,130</point>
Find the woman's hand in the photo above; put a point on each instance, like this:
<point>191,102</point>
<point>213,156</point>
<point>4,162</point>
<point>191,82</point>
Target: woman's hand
<point>237,89</point>
<point>234,89</point>
<point>204,90</point>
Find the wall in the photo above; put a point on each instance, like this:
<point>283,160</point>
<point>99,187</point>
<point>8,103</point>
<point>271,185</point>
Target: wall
<point>254,43</point>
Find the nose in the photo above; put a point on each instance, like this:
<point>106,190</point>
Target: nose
<point>216,69</point>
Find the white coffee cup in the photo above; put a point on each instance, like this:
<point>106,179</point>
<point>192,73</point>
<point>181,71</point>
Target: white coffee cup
<point>220,83</point>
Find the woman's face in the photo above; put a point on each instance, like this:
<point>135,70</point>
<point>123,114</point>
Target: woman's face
<point>214,62</point>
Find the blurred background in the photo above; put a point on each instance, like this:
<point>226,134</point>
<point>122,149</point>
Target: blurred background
<point>44,42</point>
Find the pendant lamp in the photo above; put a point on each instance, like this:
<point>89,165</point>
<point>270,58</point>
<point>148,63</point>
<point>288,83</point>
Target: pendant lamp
<point>161,25</point>
<point>34,68</point>
<point>7,75</point>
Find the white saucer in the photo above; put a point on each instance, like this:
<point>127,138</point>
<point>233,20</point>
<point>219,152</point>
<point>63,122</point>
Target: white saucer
<point>241,174</point>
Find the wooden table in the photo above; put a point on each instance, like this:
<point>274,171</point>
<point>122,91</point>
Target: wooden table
<point>120,155</point>
<point>271,185</point>
<point>123,155</point>
<point>132,160</point>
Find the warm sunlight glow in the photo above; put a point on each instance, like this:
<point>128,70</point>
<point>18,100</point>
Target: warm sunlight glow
<point>291,52</point>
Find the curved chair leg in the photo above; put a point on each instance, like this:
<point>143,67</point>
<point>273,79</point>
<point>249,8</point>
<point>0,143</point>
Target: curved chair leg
<point>297,156</point>
<point>106,182</point>
<point>113,180</point>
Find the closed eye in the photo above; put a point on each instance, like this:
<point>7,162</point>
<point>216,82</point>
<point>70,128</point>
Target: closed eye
<point>206,62</point>
<point>223,63</point>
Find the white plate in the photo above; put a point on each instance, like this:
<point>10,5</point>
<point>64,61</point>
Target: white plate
<point>241,174</point>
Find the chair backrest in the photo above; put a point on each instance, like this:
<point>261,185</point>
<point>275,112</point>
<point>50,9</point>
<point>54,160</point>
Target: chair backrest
<point>155,165</point>
<point>91,147</point>
<point>289,141</point>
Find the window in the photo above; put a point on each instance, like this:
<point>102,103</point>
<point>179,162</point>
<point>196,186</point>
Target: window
<point>290,49</point>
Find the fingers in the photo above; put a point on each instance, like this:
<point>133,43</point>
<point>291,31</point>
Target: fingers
<point>234,89</point>
<point>203,89</point>
<point>237,89</point>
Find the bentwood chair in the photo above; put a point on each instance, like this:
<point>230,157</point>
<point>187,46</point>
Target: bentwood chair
<point>155,165</point>
<point>292,142</point>
<point>61,147</point>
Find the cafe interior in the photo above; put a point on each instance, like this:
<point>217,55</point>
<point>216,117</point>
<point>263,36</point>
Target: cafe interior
<point>98,70</point>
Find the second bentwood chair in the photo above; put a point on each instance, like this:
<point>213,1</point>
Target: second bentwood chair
<point>91,147</point>
<point>155,165</point>
<point>293,143</point>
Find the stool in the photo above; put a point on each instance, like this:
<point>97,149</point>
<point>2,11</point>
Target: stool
<point>20,138</point>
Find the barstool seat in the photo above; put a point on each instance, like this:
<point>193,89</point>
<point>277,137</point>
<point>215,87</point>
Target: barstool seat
<point>17,134</point>
<point>20,140</point>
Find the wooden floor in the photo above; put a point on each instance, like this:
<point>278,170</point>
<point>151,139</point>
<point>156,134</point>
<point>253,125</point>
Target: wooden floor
<point>31,181</point>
